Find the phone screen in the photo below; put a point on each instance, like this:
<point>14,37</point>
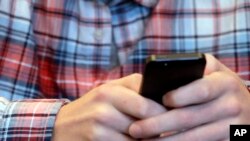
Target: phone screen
<point>164,73</point>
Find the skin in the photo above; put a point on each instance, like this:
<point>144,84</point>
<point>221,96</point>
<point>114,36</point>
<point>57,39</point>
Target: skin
<point>115,111</point>
<point>105,113</point>
<point>203,109</point>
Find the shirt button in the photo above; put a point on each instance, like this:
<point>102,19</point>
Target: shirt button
<point>98,34</point>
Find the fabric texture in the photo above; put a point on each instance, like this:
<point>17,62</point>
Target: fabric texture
<point>54,51</point>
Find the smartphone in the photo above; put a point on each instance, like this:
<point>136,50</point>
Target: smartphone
<point>164,73</point>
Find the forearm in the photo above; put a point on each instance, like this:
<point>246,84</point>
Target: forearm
<point>28,119</point>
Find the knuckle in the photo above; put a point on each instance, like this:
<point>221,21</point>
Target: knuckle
<point>101,114</point>
<point>93,134</point>
<point>185,118</point>
<point>102,93</point>
<point>90,136</point>
<point>94,123</point>
<point>135,76</point>
<point>233,107</point>
<point>142,109</point>
<point>205,92</point>
<point>232,82</point>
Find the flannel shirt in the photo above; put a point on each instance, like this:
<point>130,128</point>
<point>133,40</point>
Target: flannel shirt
<point>54,51</point>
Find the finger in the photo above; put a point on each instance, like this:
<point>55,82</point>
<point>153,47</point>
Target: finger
<point>101,133</point>
<point>224,140</point>
<point>185,118</point>
<point>128,101</point>
<point>203,90</point>
<point>213,65</point>
<point>132,81</point>
<point>108,116</point>
<point>208,132</point>
<point>136,105</point>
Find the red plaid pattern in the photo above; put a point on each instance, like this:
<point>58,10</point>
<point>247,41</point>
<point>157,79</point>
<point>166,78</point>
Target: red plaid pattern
<point>53,50</point>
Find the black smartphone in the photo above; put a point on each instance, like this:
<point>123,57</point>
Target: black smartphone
<point>164,73</point>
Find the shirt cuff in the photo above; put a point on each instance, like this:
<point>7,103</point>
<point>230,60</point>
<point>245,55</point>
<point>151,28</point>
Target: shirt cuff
<point>29,119</point>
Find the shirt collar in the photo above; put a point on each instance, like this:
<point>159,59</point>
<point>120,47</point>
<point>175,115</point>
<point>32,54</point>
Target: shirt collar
<point>146,3</point>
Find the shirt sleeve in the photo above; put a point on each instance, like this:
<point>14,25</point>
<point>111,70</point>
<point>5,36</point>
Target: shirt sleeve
<point>31,119</point>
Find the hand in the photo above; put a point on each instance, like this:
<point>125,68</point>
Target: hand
<point>105,113</point>
<point>204,109</point>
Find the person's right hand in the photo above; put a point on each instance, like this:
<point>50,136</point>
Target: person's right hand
<point>105,113</point>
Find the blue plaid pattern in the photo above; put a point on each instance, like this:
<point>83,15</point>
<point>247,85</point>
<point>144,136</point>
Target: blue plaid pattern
<point>53,51</point>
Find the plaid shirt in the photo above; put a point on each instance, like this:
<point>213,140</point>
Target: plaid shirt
<point>54,51</point>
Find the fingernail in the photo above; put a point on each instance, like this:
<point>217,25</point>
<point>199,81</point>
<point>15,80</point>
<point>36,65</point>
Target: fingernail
<point>164,100</point>
<point>135,131</point>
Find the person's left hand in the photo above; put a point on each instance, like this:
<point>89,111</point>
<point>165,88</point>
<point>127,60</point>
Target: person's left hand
<point>203,110</point>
